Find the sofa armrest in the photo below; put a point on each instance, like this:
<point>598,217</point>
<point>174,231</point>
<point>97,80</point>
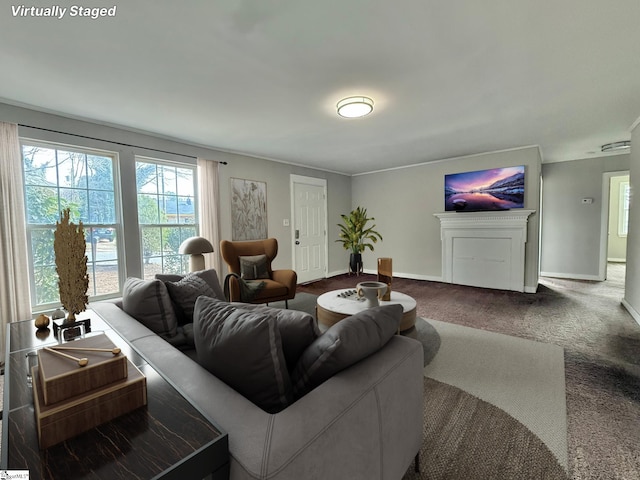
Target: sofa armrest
<point>370,410</point>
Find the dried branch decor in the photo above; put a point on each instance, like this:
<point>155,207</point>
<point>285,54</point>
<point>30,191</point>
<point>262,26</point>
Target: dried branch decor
<point>71,264</point>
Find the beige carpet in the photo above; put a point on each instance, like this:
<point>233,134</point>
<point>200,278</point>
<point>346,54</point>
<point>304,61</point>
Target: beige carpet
<point>525,379</point>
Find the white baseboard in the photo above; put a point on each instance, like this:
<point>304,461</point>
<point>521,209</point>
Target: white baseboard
<point>337,272</point>
<point>571,276</point>
<point>411,276</point>
<point>634,313</point>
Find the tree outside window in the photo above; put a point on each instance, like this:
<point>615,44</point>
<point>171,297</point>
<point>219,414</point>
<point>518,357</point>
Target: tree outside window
<point>56,178</point>
<point>167,214</point>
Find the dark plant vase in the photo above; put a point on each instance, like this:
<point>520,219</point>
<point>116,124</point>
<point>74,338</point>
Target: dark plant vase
<point>355,263</point>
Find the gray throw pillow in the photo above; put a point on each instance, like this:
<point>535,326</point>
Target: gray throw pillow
<point>343,344</point>
<point>148,302</point>
<point>210,276</point>
<point>253,267</point>
<point>297,331</point>
<point>243,349</point>
<point>184,294</point>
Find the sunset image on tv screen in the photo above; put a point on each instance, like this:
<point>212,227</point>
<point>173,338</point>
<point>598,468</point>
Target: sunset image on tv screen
<point>493,189</point>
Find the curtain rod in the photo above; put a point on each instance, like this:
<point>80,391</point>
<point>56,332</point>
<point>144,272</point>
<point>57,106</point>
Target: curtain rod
<point>111,141</point>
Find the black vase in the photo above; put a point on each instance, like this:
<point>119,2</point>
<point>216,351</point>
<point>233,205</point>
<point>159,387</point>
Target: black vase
<point>355,263</point>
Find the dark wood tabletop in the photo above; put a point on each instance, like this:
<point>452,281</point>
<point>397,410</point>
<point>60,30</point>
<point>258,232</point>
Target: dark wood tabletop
<point>168,438</point>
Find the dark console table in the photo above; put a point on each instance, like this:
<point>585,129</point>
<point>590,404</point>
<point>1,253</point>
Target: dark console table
<point>169,438</point>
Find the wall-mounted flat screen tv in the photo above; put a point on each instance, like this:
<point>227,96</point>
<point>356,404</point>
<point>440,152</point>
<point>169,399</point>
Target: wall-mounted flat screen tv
<point>482,190</point>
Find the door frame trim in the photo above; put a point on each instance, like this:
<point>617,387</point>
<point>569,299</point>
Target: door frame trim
<point>319,182</point>
<point>604,220</point>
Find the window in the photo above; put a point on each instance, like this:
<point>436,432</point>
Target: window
<point>623,217</point>
<point>167,214</point>
<point>82,180</point>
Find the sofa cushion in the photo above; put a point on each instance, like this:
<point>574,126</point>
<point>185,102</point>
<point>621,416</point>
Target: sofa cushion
<point>243,348</point>
<point>210,276</point>
<point>343,344</point>
<point>148,302</point>
<point>297,330</point>
<point>184,294</point>
<point>253,267</point>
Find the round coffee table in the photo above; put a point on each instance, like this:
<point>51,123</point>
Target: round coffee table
<point>335,305</point>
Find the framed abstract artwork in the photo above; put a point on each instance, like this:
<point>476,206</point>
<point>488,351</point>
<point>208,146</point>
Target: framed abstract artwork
<point>248,209</point>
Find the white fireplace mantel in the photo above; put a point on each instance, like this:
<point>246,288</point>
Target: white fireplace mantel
<point>484,249</point>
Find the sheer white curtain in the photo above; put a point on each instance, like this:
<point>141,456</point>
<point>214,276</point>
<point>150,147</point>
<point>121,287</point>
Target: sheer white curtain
<point>209,194</point>
<point>15,302</point>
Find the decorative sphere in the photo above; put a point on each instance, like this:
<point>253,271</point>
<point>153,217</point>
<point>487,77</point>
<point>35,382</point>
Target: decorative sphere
<point>42,321</point>
<point>58,314</point>
<point>43,333</point>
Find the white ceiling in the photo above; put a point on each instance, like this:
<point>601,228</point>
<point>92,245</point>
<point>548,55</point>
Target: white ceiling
<point>262,77</point>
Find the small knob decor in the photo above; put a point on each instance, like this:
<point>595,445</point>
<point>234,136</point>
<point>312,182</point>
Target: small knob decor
<point>42,321</point>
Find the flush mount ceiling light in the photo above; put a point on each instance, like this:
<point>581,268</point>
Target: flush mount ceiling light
<point>353,107</point>
<point>611,147</point>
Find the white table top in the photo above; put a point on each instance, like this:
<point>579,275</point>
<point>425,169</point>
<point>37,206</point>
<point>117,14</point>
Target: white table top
<point>351,304</point>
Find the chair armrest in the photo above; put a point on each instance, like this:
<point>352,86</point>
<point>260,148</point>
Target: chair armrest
<point>234,290</point>
<point>286,277</point>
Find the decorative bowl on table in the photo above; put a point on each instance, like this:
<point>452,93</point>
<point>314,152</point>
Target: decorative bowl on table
<point>372,292</point>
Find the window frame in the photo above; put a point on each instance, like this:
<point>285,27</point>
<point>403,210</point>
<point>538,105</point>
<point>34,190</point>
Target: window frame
<point>184,260</point>
<point>623,208</point>
<point>118,225</point>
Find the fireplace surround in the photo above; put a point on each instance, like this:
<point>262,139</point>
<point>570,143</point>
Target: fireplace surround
<point>484,249</point>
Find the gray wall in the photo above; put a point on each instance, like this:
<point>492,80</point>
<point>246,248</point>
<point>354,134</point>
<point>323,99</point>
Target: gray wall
<point>275,174</point>
<point>279,202</point>
<point>571,230</point>
<point>403,202</point>
<point>632,282</point>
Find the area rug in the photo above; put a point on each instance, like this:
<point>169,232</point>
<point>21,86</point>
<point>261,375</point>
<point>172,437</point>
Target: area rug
<point>494,406</point>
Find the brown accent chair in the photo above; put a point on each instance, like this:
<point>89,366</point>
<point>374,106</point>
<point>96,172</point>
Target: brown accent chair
<point>280,286</point>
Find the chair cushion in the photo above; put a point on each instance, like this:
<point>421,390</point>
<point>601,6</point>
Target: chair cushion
<point>243,348</point>
<point>253,267</point>
<point>343,344</point>
<point>271,289</point>
<point>148,302</point>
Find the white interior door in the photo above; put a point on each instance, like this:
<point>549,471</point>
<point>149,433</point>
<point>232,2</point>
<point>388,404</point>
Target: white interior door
<point>309,207</point>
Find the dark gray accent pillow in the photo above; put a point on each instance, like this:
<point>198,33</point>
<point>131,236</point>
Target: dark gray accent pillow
<point>343,344</point>
<point>243,349</point>
<point>210,276</point>
<point>148,302</point>
<point>184,294</point>
<point>253,267</point>
<point>297,331</point>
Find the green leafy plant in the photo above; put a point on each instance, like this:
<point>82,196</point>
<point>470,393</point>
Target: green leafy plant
<point>355,235</point>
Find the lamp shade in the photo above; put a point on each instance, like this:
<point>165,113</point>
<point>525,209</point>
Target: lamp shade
<point>196,246</point>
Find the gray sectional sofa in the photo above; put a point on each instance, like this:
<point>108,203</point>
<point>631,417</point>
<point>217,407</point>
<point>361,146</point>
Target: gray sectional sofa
<point>365,422</point>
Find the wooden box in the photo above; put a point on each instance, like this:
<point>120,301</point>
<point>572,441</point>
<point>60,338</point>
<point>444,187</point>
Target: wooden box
<point>63,420</point>
<point>62,378</point>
